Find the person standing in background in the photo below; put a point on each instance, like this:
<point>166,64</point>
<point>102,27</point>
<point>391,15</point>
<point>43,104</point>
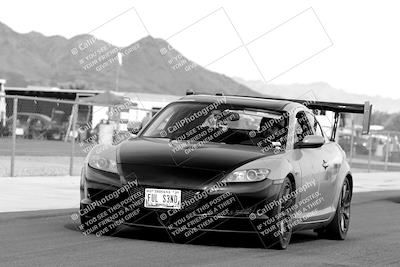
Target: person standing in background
<point>2,105</point>
<point>146,119</point>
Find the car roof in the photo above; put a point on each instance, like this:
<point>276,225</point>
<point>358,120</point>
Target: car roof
<point>248,101</point>
<point>34,115</point>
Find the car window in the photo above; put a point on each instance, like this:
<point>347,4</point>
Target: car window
<point>303,127</point>
<point>315,124</point>
<point>326,125</point>
<point>163,119</point>
<point>35,122</point>
<point>318,129</point>
<point>223,123</point>
<point>243,121</point>
<point>22,118</point>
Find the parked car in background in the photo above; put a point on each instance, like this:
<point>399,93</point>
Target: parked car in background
<point>36,126</point>
<point>361,144</point>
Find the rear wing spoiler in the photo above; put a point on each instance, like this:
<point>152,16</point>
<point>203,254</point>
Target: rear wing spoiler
<point>337,108</point>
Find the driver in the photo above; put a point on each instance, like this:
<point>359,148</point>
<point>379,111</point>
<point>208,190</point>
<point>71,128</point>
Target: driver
<point>272,132</point>
<point>212,120</point>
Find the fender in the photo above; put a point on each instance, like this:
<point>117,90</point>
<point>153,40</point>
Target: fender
<point>343,173</point>
<point>280,168</point>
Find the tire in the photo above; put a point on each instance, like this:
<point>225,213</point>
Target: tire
<point>280,238</point>
<point>337,229</point>
<point>84,222</point>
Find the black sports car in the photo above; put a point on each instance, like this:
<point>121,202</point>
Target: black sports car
<point>224,163</point>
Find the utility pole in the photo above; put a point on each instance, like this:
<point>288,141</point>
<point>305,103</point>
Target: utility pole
<point>119,56</point>
<point>2,104</point>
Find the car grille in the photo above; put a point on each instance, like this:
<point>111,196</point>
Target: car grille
<point>101,196</point>
<point>187,196</point>
<point>191,199</point>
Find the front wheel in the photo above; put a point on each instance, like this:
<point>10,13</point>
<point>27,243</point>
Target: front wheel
<point>282,216</point>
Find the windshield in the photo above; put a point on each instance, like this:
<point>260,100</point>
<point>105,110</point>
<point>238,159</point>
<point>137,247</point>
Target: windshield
<point>225,123</point>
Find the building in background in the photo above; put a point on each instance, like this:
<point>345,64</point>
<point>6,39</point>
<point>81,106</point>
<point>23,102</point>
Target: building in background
<point>98,107</point>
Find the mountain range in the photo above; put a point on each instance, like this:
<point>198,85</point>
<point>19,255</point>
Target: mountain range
<point>149,65</point>
<point>84,61</point>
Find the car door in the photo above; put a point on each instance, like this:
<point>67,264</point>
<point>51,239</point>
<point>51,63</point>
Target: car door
<point>327,167</point>
<point>305,165</point>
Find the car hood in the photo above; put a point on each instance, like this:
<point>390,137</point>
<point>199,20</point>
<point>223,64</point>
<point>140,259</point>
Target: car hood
<point>158,161</point>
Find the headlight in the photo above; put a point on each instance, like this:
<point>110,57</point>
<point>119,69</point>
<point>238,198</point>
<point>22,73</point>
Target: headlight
<point>250,175</point>
<point>103,163</point>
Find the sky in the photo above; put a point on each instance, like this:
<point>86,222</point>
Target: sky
<point>352,45</point>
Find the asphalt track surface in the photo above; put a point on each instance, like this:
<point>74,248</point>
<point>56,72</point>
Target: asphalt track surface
<point>51,238</point>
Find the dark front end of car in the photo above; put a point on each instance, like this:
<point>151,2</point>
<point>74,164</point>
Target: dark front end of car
<point>195,175</point>
<point>207,203</point>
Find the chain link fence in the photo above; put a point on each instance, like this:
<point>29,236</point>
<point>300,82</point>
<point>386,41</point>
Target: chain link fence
<point>377,151</point>
<point>40,136</point>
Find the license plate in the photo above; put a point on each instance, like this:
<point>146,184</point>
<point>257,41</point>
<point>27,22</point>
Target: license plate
<point>162,198</point>
<point>19,131</point>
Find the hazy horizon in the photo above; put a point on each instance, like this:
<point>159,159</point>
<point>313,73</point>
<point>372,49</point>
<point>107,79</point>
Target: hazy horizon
<point>277,43</point>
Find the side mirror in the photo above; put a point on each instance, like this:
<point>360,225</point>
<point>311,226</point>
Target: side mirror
<point>134,127</point>
<point>310,141</point>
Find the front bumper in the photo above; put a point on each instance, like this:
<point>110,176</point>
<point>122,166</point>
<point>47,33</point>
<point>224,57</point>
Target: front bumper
<point>228,208</point>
